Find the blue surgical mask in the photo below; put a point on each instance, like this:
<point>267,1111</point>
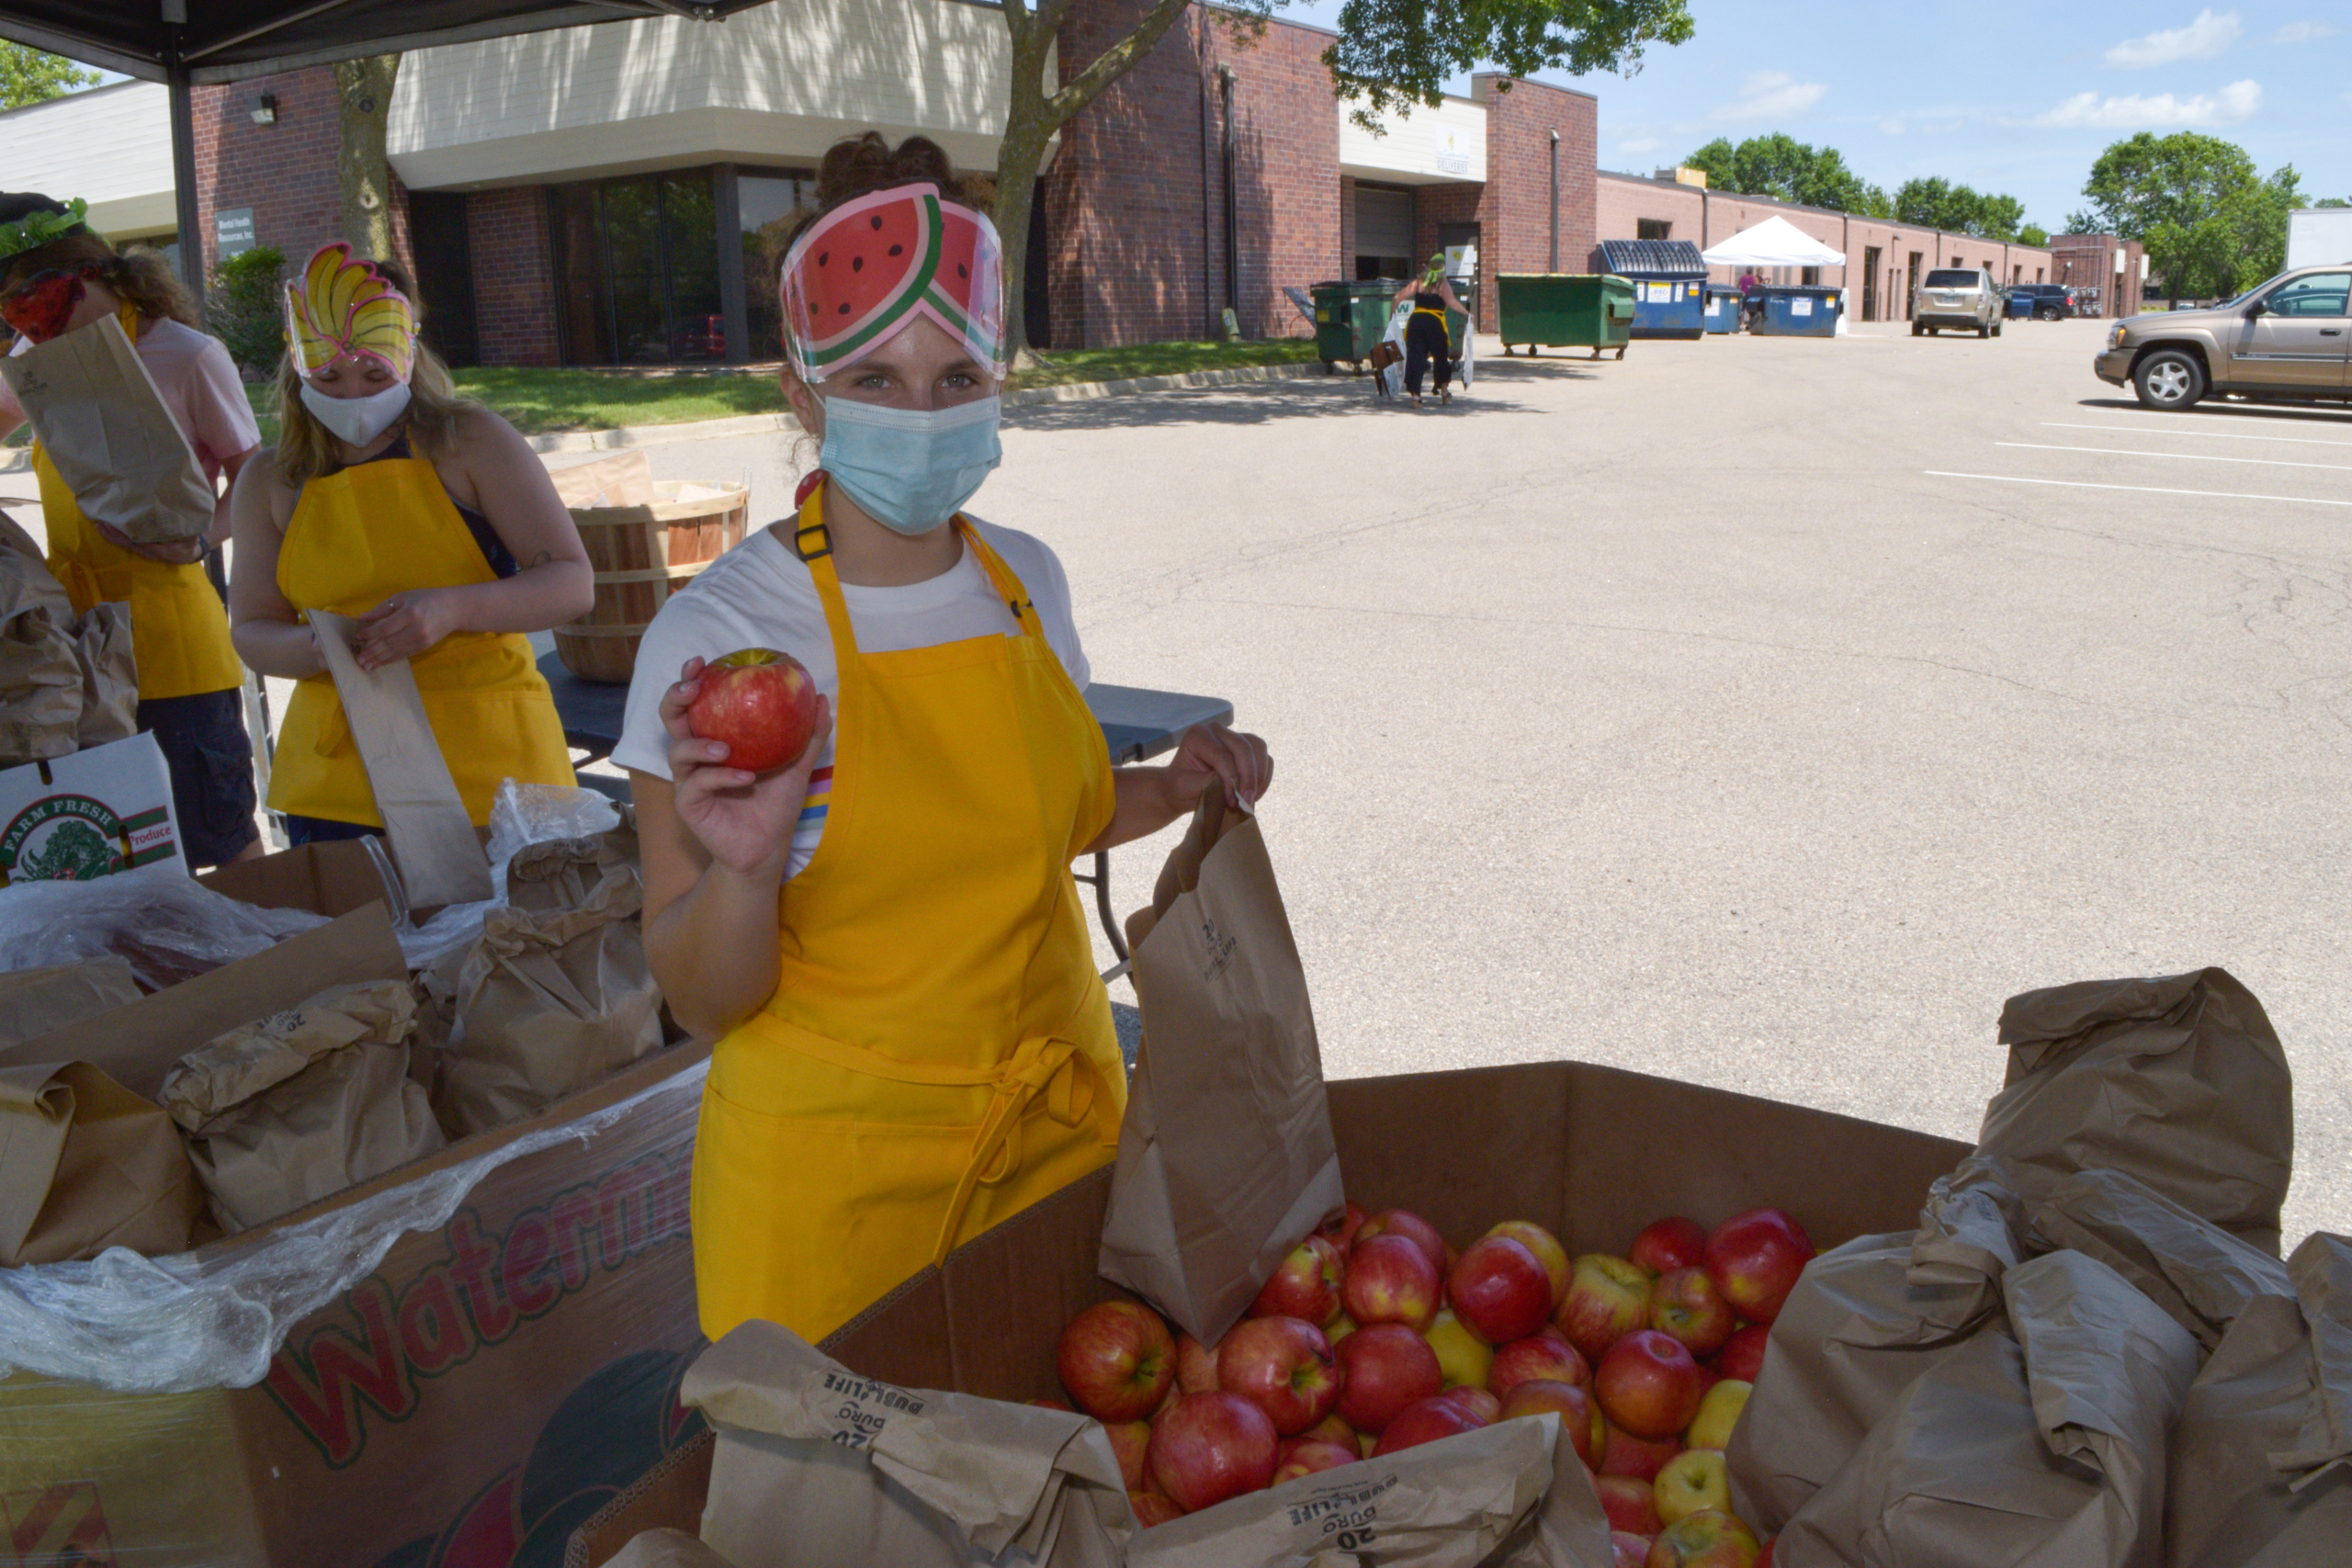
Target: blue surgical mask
<point>911,469</point>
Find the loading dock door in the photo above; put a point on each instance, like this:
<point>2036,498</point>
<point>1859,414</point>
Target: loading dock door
<point>1383,232</point>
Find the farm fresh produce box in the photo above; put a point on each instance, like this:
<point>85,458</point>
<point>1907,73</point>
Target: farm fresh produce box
<point>1569,1147</point>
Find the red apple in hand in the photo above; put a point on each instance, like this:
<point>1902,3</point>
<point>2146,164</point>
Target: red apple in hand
<point>1742,1356</point>
<point>1579,1418</point>
<point>1686,1304</point>
<point>1312,1458</point>
<point>1195,1365</point>
<point>1407,1224</point>
<point>1608,1299</point>
<point>1441,1415</point>
<point>1631,1506</point>
<point>1664,1245</point>
<point>1637,1458</point>
<point>1546,1354</point>
<point>1284,1367</point>
<point>1755,1258</point>
<point>763,704</point>
<point>1117,1360</point>
<point>1648,1384</point>
<point>1212,1446</point>
<point>1306,1285</point>
<point>1383,1368</point>
<point>1390,1279</point>
<point>1548,1252</point>
<point>1499,1290</point>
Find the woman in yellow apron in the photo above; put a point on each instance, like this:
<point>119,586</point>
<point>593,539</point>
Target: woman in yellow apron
<point>883,936</point>
<point>422,515</point>
<point>57,277</point>
<point>1427,343</point>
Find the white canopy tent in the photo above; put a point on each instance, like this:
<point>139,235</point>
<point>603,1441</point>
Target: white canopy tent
<point>1776,241</point>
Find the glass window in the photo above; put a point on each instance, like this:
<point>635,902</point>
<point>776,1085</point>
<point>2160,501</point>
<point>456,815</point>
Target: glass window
<point>638,261</point>
<point>2321,294</point>
<point>768,203</point>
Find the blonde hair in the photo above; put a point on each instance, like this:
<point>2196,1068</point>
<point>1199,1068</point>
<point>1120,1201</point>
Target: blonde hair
<point>139,273</point>
<point>306,449</point>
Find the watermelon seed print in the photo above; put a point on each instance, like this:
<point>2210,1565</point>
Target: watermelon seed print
<point>877,221</point>
<point>857,264</point>
<point>897,250</point>
<point>824,256</point>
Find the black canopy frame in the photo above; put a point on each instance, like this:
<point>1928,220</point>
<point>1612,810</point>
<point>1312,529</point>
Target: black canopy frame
<point>182,43</point>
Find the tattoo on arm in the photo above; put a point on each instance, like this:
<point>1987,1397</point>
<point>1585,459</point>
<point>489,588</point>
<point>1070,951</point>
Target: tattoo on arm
<point>543,558</point>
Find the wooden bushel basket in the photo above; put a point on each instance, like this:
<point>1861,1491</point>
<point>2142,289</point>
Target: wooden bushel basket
<point>641,554</point>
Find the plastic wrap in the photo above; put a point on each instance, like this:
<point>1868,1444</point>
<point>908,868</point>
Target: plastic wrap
<point>522,815</point>
<point>168,927</point>
<point>213,1319</point>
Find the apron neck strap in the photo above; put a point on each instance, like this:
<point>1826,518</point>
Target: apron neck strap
<point>129,316</point>
<point>812,541</point>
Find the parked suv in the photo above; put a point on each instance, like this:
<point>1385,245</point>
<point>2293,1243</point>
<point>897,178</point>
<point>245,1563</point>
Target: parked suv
<point>2291,337</point>
<point>2051,302</point>
<point>1964,298</point>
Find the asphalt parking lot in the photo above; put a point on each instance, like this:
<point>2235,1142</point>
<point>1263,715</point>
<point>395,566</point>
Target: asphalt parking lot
<point>1761,711</point>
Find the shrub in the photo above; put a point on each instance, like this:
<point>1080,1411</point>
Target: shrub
<point>244,307</point>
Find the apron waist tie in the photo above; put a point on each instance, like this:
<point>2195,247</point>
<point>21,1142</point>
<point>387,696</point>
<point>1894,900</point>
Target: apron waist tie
<point>1043,1064</point>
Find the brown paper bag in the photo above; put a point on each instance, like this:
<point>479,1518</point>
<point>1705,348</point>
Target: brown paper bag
<point>1226,1158</point>
<point>40,664</point>
<point>2042,1444</point>
<point>109,676</point>
<point>1511,1495</point>
<point>440,859</point>
<point>556,993</point>
<point>85,1165</point>
<point>105,427</point>
<point>666,1549</point>
<point>624,479</point>
<point>816,1466</point>
<point>2180,1081</point>
<point>2199,1274</point>
<point>2262,1457</point>
<point>35,1001</point>
<point>303,1103</point>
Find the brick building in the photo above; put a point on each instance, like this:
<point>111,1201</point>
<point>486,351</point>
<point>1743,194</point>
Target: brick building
<point>2117,268</point>
<point>619,194</point>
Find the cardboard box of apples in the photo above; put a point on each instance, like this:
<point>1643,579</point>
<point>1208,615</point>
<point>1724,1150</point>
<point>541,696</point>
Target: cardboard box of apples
<point>1377,1335</point>
<point>1588,1156</point>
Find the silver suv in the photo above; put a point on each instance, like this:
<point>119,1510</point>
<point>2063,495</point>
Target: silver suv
<point>2291,337</point>
<point>1963,297</point>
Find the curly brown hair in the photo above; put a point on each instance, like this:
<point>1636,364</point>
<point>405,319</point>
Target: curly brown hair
<point>139,273</point>
<point>858,165</point>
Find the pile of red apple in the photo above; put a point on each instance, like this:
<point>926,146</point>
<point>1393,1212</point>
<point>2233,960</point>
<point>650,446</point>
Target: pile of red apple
<point>1376,1335</point>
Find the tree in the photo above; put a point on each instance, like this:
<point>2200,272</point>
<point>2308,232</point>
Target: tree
<point>1779,166</point>
<point>1938,203</point>
<point>2209,224</point>
<point>364,109</point>
<point>2033,234</point>
<point>29,76</point>
<point>1389,53</point>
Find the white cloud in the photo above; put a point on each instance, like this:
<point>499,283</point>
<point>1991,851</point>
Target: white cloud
<point>1890,127</point>
<point>1771,95</point>
<point>2204,39</point>
<point>1640,144</point>
<point>2303,33</point>
<point>2239,100</point>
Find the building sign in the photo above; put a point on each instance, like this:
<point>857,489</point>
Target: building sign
<point>233,230</point>
<point>1453,158</point>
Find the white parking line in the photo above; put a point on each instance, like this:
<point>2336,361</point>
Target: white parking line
<point>2216,434</point>
<point>2142,490</point>
<point>2183,457</point>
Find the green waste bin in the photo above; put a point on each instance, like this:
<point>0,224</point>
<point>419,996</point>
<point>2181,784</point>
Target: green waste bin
<point>1566,310</point>
<point>1350,318</point>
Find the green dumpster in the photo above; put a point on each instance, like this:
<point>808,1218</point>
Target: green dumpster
<point>1350,318</point>
<point>1566,310</point>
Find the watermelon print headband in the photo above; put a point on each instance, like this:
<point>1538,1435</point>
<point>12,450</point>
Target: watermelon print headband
<point>344,306</point>
<point>870,266</point>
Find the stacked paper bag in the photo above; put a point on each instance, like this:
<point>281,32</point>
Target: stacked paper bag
<point>67,681</point>
<point>2089,1352</point>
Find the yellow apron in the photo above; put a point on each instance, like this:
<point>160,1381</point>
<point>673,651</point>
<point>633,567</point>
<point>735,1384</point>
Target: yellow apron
<point>939,1053</point>
<point>180,630</point>
<point>357,537</point>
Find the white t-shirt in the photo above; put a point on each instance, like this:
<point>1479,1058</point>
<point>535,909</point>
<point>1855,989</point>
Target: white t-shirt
<point>760,595</point>
<point>199,386</point>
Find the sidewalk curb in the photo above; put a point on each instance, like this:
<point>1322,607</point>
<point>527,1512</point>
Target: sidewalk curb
<point>781,424</point>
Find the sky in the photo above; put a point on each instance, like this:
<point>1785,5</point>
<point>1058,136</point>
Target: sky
<point>2007,98</point>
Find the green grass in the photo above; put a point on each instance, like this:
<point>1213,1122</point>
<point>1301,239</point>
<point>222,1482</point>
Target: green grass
<point>536,401</point>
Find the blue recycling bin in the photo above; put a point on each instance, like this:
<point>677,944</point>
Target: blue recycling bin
<point>2020,306</point>
<point>1797,312</point>
<point>1722,314</point>
<point>1669,285</point>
